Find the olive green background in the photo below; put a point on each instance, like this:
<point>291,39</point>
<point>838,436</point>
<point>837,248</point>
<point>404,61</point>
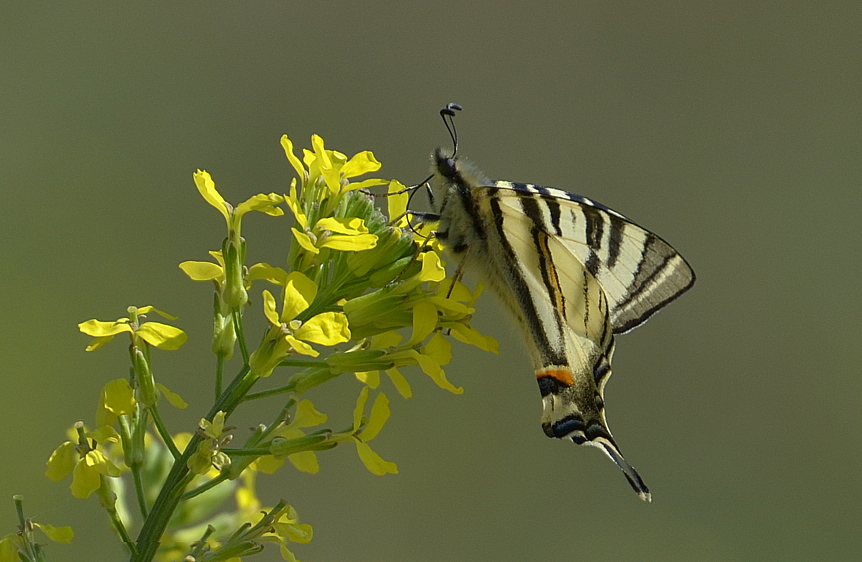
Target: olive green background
<point>732,129</point>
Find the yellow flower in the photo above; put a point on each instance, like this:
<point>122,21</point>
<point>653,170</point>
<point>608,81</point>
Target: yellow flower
<point>346,235</point>
<point>397,203</point>
<point>387,341</point>
<point>209,454</point>
<point>305,416</point>
<point>233,216</point>
<point>86,462</point>
<point>289,335</point>
<point>287,529</point>
<point>360,434</point>
<point>154,333</point>
<point>331,168</point>
<point>24,540</point>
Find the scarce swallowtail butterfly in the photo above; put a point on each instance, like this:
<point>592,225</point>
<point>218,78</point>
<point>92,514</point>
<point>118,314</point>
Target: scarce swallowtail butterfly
<point>571,271</point>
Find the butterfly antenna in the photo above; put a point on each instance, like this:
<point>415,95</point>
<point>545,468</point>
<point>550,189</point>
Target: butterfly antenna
<point>448,115</point>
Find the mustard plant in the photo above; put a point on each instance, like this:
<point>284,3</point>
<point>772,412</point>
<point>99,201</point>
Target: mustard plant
<point>357,294</point>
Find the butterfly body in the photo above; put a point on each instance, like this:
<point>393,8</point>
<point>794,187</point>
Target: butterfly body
<point>572,272</point>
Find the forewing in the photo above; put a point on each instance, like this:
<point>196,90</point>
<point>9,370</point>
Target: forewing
<point>639,272</point>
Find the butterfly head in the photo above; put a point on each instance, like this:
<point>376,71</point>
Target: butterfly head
<point>445,164</point>
<point>450,171</point>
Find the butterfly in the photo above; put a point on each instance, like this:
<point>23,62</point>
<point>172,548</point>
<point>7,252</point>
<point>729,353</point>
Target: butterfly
<point>571,271</point>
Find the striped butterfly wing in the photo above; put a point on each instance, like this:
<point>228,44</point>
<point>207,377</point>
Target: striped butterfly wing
<point>574,335</point>
<point>639,272</point>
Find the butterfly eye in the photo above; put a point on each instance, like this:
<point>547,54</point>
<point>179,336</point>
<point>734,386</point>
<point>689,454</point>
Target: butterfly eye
<point>446,167</point>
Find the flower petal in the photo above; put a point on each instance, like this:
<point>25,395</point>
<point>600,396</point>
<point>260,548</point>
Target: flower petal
<point>306,461</point>
<point>424,322</point>
<point>469,335</point>
<point>98,342</point>
<point>62,461</point>
<point>173,398</point>
<point>371,182</point>
<point>150,308</point>
<point>99,329</point>
<point>299,293</point>
<point>269,309</point>
<point>294,161</point>
<point>118,397</point>
<point>202,270</point>
<point>345,243</point>
<point>361,163</point>
<point>266,272</point>
<point>85,481</point>
<point>306,415</point>
<point>57,534</point>
<point>206,187</point>
<point>360,407</point>
<point>433,370</point>
<point>439,349</point>
<point>400,382</point>
<point>304,240</point>
<point>327,328</point>
<point>373,462</point>
<point>162,336</point>
<point>299,532</point>
<point>265,203</point>
<point>353,225</point>
<point>294,206</point>
<point>397,203</point>
<point>301,347</point>
<point>268,464</point>
<point>371,378</point>
<point>379,415</point>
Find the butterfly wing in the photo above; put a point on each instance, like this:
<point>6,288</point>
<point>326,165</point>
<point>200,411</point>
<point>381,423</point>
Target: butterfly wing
<point>573,339</point>
<point>639,272</point>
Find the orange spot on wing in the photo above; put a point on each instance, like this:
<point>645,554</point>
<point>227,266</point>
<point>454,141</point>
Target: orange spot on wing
<point>562,375</point>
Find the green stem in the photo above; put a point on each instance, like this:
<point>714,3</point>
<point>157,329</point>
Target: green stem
<point>131,454</point>
<point>219,374</point>
<point>300,363</point>
<point>204,487</point>
<point>180,476</point>
<point>258,452</point>
<point>164,433</point>
<point>201,544</point>
<point>271,392</point>
<point>240,336</point>
<point>19,508</point>
<point>108,500</point>
<point>139,490</point>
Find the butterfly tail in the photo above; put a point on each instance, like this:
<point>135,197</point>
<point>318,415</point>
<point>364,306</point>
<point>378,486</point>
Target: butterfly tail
<point>597,435</point>
<point>635,480</point>
<point>573,409</point>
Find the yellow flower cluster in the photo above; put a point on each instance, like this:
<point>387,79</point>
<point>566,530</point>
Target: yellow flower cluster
<point>354,285</point>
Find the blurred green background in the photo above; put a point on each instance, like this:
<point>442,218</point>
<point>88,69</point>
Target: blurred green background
<point>732,129</point>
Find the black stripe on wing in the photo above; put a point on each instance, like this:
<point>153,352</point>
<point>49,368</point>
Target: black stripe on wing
<point>639,272</point>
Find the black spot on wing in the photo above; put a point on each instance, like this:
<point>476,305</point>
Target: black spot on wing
<point>569,427</point>
<point>594,231</point>
<point>615,239</point>
<point>601,371</point>
<point>549,385</point>
<point>553,205</point>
